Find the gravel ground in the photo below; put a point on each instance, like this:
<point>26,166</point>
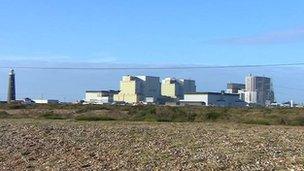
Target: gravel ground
<point>69,145</point>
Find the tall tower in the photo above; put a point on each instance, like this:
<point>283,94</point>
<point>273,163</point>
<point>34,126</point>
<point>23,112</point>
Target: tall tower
<point>11,96</point>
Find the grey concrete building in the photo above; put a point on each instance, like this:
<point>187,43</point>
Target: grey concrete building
<point>259,90</point>
<point>235,87</point>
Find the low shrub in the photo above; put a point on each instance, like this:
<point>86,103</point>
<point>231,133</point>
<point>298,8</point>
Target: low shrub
<point>93,118</point>
<point>213,116</point>
<point>4,114</point>
<point>258,122</point>
<point>91,107</point>
<point>16,106</point>
<point>144,114</point>
<point>53,116</point>
<point>298,121</point>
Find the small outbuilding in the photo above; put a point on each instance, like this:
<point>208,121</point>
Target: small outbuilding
<point>100,97</point>
<point>46,101</point>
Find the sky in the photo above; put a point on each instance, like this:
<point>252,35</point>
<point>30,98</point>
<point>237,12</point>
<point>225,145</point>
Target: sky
<point>149,33</point>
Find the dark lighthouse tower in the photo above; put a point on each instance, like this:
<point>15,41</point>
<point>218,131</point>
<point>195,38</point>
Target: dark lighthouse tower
<point>11,96</point>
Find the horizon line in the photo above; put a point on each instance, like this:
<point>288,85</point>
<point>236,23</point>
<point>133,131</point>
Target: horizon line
<point>154,68</point>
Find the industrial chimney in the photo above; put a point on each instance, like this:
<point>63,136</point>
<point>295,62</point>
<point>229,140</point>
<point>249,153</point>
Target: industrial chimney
<point>11,96</point>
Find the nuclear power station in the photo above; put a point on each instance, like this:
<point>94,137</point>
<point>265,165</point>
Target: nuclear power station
<point>257,91</point>
<point>11,96</point>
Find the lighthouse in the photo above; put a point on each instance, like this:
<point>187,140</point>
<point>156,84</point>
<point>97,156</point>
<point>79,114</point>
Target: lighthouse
<point>11,96</point>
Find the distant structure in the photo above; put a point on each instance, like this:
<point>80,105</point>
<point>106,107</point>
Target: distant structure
<point>100,97</point>
<point>27,101</point>
<point>259,90</point>
<point>46,101</point>
<point>220,99</point>
<point>292,103</point>
<point>235,87</point>
<point>11,96</point>
<point>176,88</point>
<point>135,89</point>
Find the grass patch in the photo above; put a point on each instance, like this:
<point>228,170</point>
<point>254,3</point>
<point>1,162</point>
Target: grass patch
<point>151,113</point>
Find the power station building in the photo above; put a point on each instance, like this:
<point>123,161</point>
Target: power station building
<point>134,89</point>
<point>259,90</point>
<point>171,87</point>
<point>176,88</point>
<point>148,89</point>
<point>100,97</point>
<point>235,87</point>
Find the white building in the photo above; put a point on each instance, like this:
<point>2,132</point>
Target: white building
<point>213,99</point>
<point>100,97</point>
<point>259,90</point>
<point>46,101</point>
<point>134,89</point>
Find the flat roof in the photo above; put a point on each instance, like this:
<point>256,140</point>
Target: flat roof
<point>101,91</point>
<point>214,93</point>
<point>146,76</point>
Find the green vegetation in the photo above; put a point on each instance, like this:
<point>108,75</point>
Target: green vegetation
<point>261,116</point>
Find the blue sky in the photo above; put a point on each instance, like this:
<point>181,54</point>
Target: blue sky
<point>136,32</point>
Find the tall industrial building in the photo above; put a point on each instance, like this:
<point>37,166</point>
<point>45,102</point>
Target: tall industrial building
<point>151,86</point>
<point>11,96</point>
<point>176,88</point>
<point>259,90</point>
<point>134,89</point>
